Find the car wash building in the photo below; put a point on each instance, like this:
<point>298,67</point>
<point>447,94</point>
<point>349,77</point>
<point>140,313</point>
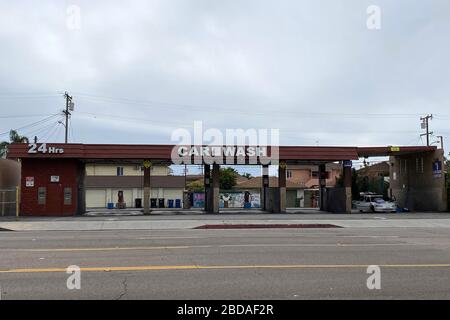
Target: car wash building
<point>54,183</point>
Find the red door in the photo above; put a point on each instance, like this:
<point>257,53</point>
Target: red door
<point>55,199</point>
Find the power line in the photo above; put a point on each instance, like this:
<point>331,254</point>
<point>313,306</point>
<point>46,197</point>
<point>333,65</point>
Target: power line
<point>272,112</point>
<point>27,96</point>
<point>55,134</point>
<point>132,119</point>
<point>43,138</point>
<point>32,124</point>
<point>50,133</point>
<point>72,138</point>
<point>182,124</point>
<point>23,116</point>
<point>38,131</point>
<point>45,130</point>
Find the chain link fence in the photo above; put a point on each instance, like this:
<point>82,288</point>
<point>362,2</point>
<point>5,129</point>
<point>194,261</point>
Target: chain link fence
<point>8,202</point>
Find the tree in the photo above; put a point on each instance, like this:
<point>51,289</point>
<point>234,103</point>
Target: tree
<point>365,184</point>
<point>196,186</point>
<point>247,175</point>
<point>227,178</point>
<point>14,137</point>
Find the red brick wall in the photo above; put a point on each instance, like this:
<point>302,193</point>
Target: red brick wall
<point>68,171</point>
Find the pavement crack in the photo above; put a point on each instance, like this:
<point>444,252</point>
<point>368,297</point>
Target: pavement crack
<point>125,289</point>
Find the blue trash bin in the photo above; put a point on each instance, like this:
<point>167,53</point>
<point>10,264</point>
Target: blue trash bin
<point>170,203</point>
<point>110,205</point>
<point>178,203</point>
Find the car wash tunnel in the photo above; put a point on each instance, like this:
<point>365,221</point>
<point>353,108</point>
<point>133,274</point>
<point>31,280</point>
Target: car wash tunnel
<point>54,177</point>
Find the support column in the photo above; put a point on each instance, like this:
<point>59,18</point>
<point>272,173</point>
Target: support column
<point>281,188</point>
<point>207,184</point>
<point>146,188</point>
<point>81,189</point>
<point>322,186</point>
<point>215,189</point>
<point>265,188</point>
<point>347,175</point>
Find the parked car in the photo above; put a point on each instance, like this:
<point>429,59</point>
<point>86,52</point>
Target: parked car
<point>374,203</point>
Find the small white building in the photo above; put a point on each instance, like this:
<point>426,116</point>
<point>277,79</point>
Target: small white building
<point>104,181</point>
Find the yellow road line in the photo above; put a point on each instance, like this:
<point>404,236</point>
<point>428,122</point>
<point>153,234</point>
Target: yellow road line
<point>195,267</point>
<point>95,249</point>
<point>212,246</point>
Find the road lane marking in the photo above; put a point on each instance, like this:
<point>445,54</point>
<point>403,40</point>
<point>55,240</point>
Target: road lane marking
<point>284,235</point>
<point>95,249</point>
<point>215,246</point>
<point>165,238</point>
<point>200,267</point>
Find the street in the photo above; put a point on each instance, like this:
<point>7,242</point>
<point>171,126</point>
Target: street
<point>227,264</point>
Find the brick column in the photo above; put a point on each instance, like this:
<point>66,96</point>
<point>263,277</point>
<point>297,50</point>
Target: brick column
<point>215,189</point>
<point>207,184</point>
<point>265,188</point>
<point>281,188</point>
<point>322,185</point>
<point>146,189</point>
<point>347,175</point>
<point>81,192</point>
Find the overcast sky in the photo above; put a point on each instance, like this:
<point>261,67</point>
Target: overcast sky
<point>137,70</point>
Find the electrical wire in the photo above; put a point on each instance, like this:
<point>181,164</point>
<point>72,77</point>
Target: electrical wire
<point>271,113</point>
<point>181,124</point>
<point>44,129</point>
<point>46,137</point>
<point>131,119</point>
<point>39,131</point>
<point>32,124</point>
<point>15,95</point>
<point>72,137</point>
<point>56,133</point>
<point>23,116</point>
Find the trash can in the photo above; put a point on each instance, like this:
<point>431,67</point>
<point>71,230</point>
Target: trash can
<point>161,203</point>
<point>170,203</point>
<point>153,202</point>
<point>138,203</point>
<point>177,203</point>
<point>110,205</point>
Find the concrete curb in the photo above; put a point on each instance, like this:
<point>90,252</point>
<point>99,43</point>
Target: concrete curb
<point>191,224</point>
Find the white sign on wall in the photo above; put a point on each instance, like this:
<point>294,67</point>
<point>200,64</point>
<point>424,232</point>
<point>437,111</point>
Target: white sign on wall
<point>29,181</point>
<point>42,148</point>
<point>54,179</point>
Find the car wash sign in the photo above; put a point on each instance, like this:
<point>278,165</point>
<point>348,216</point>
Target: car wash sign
<point>437,168</point>
<point>222,154</point>
<point>34,148</point>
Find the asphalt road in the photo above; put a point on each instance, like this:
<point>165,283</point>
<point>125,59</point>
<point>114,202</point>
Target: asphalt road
<point>227,264</point>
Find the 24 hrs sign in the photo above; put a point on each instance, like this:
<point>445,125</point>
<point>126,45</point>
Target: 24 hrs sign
<point>42,148</point>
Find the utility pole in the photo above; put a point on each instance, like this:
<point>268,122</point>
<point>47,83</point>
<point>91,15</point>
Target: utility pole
<point>69,107</point>
<point>425,125</point>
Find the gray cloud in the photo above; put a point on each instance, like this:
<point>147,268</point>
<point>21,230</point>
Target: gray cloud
<point>311,68</point>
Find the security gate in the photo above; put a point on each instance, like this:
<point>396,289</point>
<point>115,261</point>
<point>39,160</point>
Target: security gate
<point>9,202</point>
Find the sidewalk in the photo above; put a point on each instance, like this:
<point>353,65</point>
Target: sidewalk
<point>165,221</point>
